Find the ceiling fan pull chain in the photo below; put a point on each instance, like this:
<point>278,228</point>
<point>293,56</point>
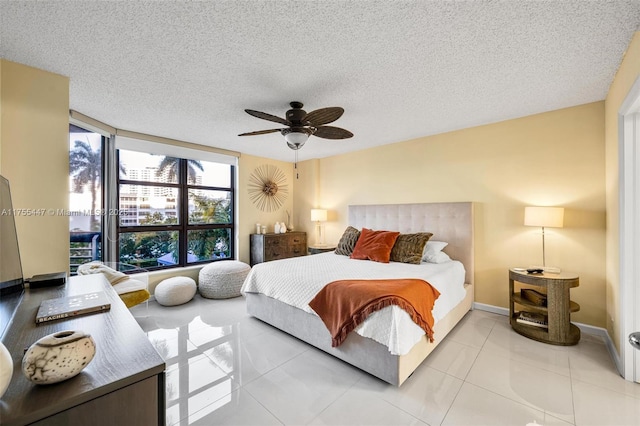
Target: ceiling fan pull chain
<point>295,164</point>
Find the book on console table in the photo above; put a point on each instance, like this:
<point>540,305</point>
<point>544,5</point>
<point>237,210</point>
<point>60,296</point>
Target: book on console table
<point>72,306</point>
<point>532,318</point>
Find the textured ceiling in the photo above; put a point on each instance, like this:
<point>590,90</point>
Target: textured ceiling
<point>400,69</point>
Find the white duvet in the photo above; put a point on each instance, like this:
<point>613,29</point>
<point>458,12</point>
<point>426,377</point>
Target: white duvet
<point>296,281</point>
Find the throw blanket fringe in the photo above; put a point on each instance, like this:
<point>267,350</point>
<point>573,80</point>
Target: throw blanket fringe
<point>345,304</point>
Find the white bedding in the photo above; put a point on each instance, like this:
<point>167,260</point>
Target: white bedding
<point>296,281</point>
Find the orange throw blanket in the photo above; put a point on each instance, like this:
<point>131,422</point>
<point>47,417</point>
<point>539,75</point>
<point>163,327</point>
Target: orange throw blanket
<point>345,304</point>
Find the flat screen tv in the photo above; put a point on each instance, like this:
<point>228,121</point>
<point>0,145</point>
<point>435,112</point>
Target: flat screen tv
<point>11,279</point>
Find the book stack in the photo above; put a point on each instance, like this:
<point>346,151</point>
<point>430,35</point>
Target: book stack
<point>535,297</point>
<point>532,318</point>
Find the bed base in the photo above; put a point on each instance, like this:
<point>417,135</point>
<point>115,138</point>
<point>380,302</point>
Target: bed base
<point>361,352</point>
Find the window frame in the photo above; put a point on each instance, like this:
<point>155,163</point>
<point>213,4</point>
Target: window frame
<point>183,227</point>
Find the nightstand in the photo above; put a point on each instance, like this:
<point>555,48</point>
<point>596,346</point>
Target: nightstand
<point>558,308</point>
<point>318,249</point>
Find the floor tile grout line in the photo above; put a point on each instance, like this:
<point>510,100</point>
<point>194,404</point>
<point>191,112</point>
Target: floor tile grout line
<point>607,388</point>
<point>526,361</point>
<point>512,400</point>
<point>453,401</point>
<point>519,402</point>
<point>255,398</point>
<point>336,400</point>
<point>573,397</point>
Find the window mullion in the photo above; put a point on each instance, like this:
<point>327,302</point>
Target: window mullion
<point>111,196</point>
<point>184,209</point>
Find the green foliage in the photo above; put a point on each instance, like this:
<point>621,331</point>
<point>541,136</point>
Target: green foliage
<point>145,245</point>
<point>210,243</point>
<point>157,218</point>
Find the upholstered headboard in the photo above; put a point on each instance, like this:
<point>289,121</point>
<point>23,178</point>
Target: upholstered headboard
<point>450,222</point>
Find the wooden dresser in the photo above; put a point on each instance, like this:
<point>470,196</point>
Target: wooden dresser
<point>266,247</point>
<point>123,385</point>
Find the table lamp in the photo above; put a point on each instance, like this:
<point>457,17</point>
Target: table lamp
<point>319,216</point>
<point>552,217</point>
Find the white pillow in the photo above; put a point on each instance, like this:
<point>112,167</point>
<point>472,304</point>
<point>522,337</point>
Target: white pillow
<point>433,252</point>
<point>439,257</point>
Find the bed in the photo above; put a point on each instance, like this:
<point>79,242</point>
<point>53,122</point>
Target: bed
<point>273,289</point>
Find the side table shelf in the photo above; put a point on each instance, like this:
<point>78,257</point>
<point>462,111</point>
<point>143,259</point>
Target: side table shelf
<point>560,331</point>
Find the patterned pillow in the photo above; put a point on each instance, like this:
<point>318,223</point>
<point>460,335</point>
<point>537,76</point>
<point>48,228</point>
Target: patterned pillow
<point>409,247</point>
<point>347,241</point>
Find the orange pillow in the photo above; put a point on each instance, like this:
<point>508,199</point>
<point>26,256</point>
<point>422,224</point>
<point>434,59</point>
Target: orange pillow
<point>374,245</point>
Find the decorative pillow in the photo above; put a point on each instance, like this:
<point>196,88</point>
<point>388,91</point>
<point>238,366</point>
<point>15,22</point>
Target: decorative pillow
<point>439,257</point>
<point>431,249</point>
<point>347,241</point>
<point>409,247</point>
<point>374,245</point>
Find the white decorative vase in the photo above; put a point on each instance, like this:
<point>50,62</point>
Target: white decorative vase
<point>58,356</point>
<point>6,368</point>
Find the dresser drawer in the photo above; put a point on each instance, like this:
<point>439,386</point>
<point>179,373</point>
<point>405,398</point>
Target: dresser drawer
<point>266,247</point>
<point>297,250</point>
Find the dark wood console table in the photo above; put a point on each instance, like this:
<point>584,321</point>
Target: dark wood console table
<point>124,384</point>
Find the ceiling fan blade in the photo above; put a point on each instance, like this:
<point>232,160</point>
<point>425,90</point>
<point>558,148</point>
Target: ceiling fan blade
<point>323,116</point>
<point>330,132</point>
<point>269,117</point>
<point>259,132</point>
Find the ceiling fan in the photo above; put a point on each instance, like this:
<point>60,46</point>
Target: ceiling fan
<point>301,125</point>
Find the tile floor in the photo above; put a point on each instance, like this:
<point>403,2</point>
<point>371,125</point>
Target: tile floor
<point>226,368</point>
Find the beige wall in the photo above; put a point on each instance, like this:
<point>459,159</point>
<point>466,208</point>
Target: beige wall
<point>555,158</point>
<point>34,153</point>
<point>307,197</point>
<point>627,74</point>
<point>249,214</point>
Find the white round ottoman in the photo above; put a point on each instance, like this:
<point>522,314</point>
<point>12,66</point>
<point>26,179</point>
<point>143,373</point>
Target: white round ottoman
<point>223,279</point>
<point>175,291</point>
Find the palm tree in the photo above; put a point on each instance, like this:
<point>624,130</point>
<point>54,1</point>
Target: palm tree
<point>85,165</point>
<point>170,165</point>
<point>206,242</point>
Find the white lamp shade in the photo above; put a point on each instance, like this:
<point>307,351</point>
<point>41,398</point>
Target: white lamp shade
<point>544,216</point>
<point>318,215</point>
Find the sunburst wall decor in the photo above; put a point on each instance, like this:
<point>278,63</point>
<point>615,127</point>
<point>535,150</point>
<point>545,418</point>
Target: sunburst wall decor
<point>268,188</point>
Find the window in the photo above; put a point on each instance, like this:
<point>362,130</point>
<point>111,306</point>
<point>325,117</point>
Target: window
<point>85,196</point>
<point>146,200</point>
<point>173,211</point>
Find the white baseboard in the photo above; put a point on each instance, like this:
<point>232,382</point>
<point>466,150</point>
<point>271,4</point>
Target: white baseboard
<point>584,328</point>
<point>490,308</point>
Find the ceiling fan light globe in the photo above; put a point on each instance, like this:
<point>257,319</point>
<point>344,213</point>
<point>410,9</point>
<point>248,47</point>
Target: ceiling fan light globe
<point>296,138</point>
<point>296,146</point>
